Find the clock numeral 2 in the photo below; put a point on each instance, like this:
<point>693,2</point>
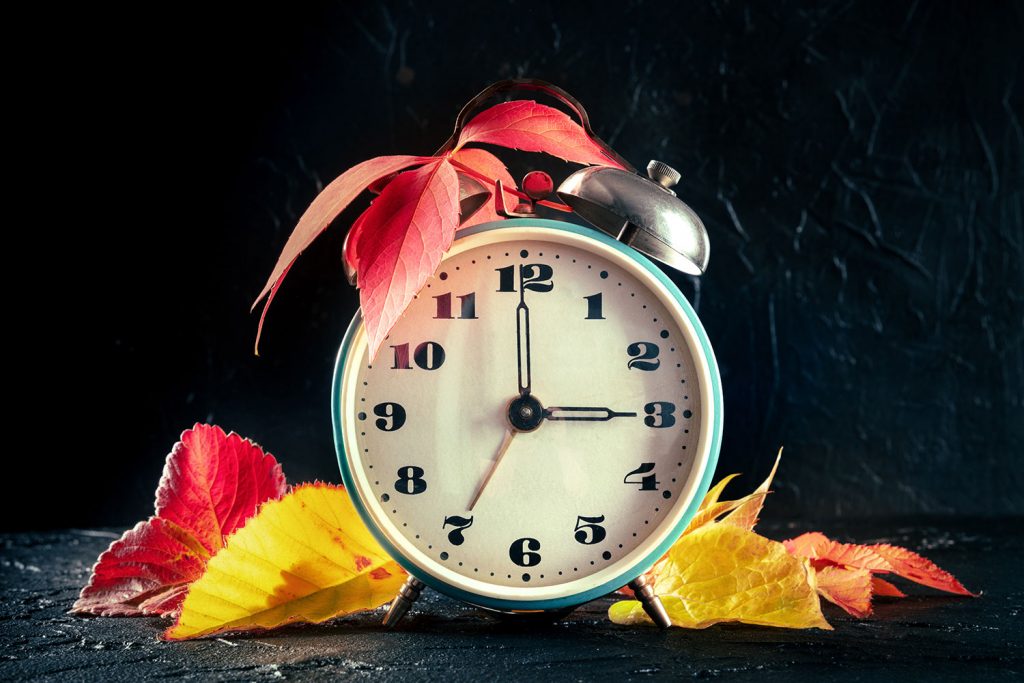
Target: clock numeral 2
<point>643,356</point>
<point>594,306</point>
<point>455,536</point>
<point>392,416</point>
<point>429,355</point>
<point>535,277</point>
<point>660,414</point>
<point>647,483</point>
<point>520,552</point>
<point>444,306</point>
<point>410,480</point>
<point>589,531</point>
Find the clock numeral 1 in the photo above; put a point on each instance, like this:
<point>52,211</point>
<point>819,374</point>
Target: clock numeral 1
<point>444,306</point>
<point>647,483</point>
<point>535,277</point>
<point>594,311</point>
<point>410,480</point>
<point>392,416</point>
<point>520,552</point>
<point>643,356</point>
<point>660,414</point>
<point>589,531</point>
<point>429,355</point>
<point>455,536</point>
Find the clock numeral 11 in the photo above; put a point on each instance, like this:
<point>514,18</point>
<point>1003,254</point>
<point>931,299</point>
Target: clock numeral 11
<point>444,306</point>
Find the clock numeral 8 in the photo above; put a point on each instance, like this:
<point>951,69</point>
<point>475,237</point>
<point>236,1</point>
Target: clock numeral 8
<point>520,552</point>
<point>410,480</point>
<point>660,414</point>
<point>392,416</point>
<point>647,483</point>
<point>429,355</point>
<point>590,533</point>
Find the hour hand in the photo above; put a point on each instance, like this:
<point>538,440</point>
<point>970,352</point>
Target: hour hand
<point>582,414</point>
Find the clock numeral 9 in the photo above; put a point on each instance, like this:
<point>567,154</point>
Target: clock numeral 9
<point>392,416</point>
<point>410,480</point>
<point>643,356</point>
<point>535,277</point>
<point>590,532</point>
<point>429,355</point>
<point>455,536</point>
<point>444,306</point>
<point>660,414</point>
<point>520,552</point>
<point>647,483</point>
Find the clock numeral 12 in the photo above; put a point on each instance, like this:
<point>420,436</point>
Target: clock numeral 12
<point>589,531</point>
<point>429,355</point>
<point>455,536</point>
<point>521,553</point>
<point>647,479</point>
<point>444,306</point>
<point>535,277</point>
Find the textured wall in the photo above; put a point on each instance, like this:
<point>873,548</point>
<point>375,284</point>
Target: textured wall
<point>858,165</point>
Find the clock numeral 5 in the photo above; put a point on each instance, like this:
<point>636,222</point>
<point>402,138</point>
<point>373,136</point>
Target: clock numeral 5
<point>455,536</point>
<point>520,552</point>
<point>429,355</point>
<point>643,356</point>
<point>590,532</point>
<point>444,306</point>
<point>536,277</point>
<point>410,480</point>
<point>660,414</point>
<point>392,416</point>
<point>647,483</point>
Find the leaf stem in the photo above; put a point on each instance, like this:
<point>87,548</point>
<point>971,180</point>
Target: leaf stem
<point>522,195</point>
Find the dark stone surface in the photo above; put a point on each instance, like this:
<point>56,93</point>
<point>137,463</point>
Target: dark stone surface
<point>924,637</point>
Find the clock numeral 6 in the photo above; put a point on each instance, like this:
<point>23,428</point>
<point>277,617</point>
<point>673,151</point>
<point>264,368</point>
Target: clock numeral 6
<point>392,416</point>
<point>520,552</point>
<point>455,536</point>
<point>643,356</point>
<point>647,483</point>
<point>535,277</point>
<point>410,480</point>
<point>590,532</point>
<point>660,414</point>
<point>429,355</point>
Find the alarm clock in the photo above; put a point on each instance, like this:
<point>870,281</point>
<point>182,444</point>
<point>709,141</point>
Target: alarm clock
<point>543,421</point>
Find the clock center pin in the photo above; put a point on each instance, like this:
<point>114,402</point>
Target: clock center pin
<point>525,413</point>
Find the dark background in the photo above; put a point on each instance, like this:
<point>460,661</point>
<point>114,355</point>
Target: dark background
<point>858,166</point>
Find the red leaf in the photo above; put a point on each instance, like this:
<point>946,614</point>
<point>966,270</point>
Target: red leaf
<point>350,243</point>
<point>325,208</point>
<point>824,552</point>
<point>884,588</point>
<point>848,588</point>
<point>491,166</point>
<point>532,127</point>
<point>912,566</point>
<point>212,482</point>
<point>407,230</point>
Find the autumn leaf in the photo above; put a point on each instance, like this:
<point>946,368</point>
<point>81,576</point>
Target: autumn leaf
<point>212,482</point>
<point>723,573</point>
<point>533,127</point>
<point>846,587</point>
<point>304,558</point>
<point>407,230</point>
<point>488,165</point>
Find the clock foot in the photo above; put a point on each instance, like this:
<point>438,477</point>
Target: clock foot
<point>651,603</point>
<point>407,595</point>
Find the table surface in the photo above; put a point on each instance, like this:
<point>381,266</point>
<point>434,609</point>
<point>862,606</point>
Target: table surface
<point>926,635</point>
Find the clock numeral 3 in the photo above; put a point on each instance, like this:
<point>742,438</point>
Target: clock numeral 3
<point>643,356</point>
<point>589,531</point>
<point>521,552</point>
<point>392,416</point>
<point>444,306</point>
<point>429,355</point>
<point>410,480</point>
<point>594,308</point>
<point>660,414</point>
<point>455,536</point>
<point>647,483</point>
<point>535,277</point>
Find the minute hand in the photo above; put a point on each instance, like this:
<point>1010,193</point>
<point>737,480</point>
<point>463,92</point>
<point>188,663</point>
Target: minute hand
<point>582,414</point>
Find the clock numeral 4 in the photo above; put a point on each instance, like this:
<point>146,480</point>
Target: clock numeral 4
<point>410,480</point>
<point>644,476</point>
<point>536,277</point>
<point>660,414</point>
<point>594,306</point>
<point>429,356</point>
<point>392,416</point>
<point>444,306</point>
<point>589,531</point>
<point>455,536</point>
<point>643,356</point>
<point>522,552</point>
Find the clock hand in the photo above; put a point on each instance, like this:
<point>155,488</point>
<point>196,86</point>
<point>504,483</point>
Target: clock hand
<point>577,414</point>
<point>502,449</point>
<point>523,339</point>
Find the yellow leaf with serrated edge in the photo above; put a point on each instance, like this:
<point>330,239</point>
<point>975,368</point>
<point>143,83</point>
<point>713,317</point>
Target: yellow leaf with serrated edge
<point>307,557</point>
<point>745,515</point>
<point>721,573</point>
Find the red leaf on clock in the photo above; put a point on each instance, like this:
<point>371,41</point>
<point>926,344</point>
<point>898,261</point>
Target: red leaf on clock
<point>324,209</point>
<point>487,164</point>
<point>407,230</point>
<point>211,484</point>
<point>533,127</point>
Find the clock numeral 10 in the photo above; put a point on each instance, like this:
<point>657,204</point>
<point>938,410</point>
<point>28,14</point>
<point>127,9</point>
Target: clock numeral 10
<point>410,480</point>
<point>589,531</point>
<point>392,416</point>
<point>455,536</point>
<point>429,355</point>
<point>643,356</point>
<point>444,306</point>
<point>594,306</point>
<point>535,277</point>
<point>644,476</point>
<point>521,552</point>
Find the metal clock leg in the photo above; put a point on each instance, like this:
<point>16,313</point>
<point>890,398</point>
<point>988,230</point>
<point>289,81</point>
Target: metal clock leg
<point>407,594</point>
<point>651,603</point>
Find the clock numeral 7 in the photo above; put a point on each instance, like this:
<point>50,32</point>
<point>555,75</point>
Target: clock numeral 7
<point>444,306</point>
<point>591,532</point>
<point>521,553</point>
<point>455,536</point>
<point>429,355</point>
<point>536,277</point>
<point>647,479</point>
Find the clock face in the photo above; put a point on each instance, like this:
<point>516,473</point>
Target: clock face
<point>536,424</point>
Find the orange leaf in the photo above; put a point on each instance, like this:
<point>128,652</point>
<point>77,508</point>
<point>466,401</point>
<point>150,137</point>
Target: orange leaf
<point>825,552</point>
<point>912,566</point>
<point>848,588</point>
<point>884,588</point>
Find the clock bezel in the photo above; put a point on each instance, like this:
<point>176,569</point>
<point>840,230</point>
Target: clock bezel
<point>709,442</point>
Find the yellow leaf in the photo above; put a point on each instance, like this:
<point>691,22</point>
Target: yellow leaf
<point>306,557</point>
<point>709,514</point>
<point>745,515</point>
<point>721,572</point>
